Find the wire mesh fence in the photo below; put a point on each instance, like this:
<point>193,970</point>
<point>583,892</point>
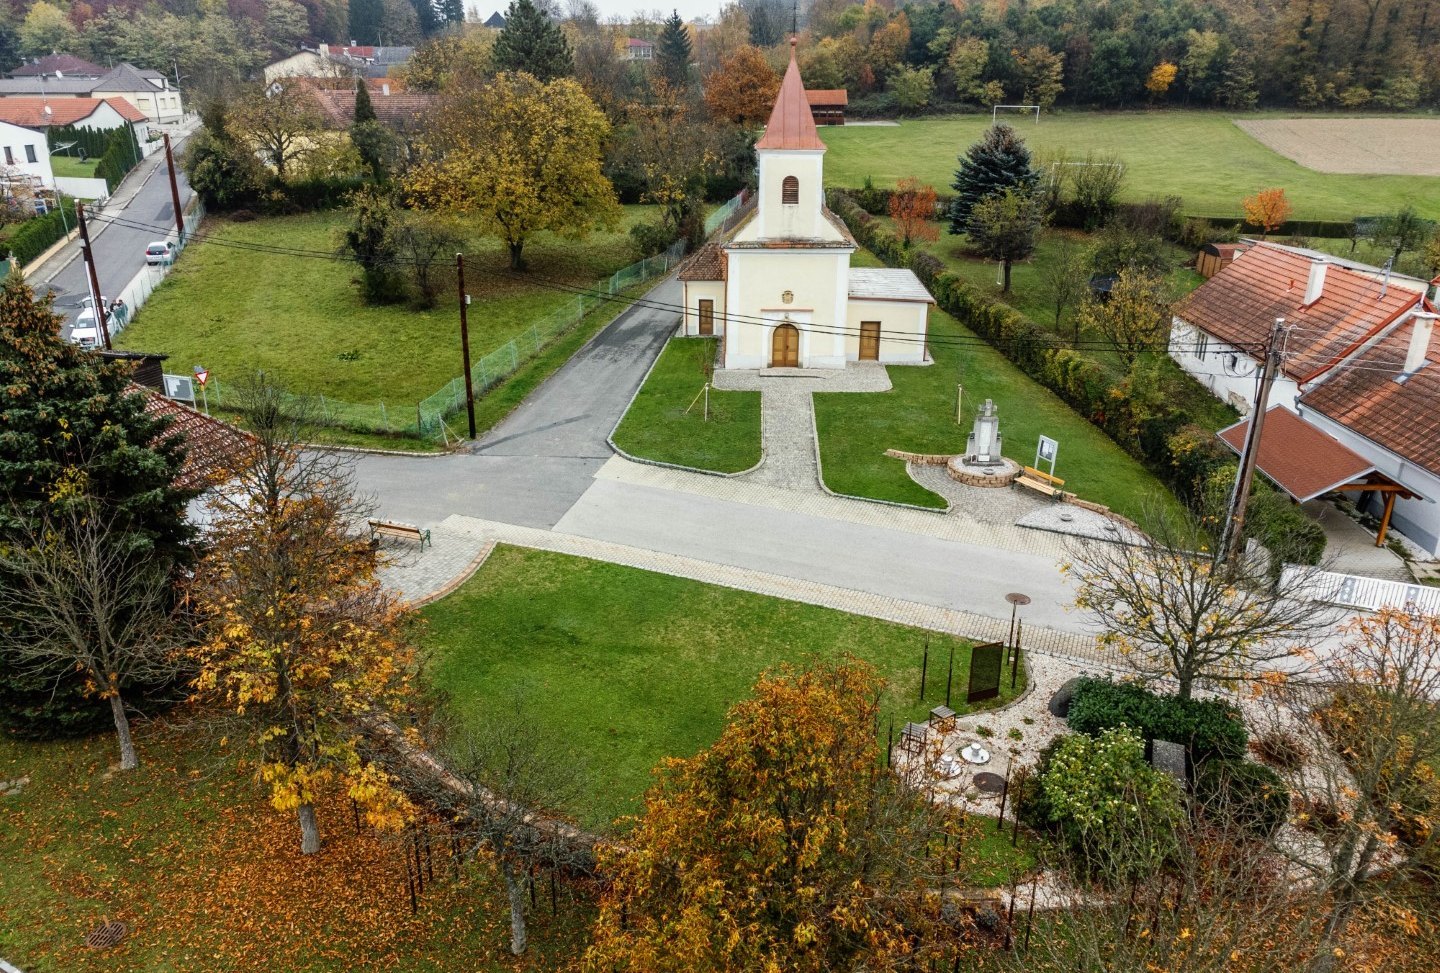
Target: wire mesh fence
<point>722,214</point>
<point>143,284</point>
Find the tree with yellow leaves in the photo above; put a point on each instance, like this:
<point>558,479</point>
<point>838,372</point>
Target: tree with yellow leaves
<point>521,156</point>
<point>1267,209</point>
<point>743,88</point>
<point>1162,76</point>
<point>784,846</point>
<point>300,640</point>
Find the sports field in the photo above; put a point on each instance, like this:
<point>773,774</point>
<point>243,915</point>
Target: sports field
<point>1203,157</point>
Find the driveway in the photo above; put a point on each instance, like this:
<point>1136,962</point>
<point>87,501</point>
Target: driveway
<point>532,467</point>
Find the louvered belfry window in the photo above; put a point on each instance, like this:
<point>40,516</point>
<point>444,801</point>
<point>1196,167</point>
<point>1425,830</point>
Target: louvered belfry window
<point>790,191</point>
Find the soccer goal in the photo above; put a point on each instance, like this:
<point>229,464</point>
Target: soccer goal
<point>995,111</point>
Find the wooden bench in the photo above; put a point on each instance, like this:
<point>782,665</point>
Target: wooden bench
<point>389,528</point>
<point>1051,486</point>
<point>942,718</point>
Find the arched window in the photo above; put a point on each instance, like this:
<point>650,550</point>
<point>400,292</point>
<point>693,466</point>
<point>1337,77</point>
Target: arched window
<point>790,191</point>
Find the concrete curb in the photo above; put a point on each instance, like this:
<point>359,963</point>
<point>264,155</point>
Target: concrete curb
<point>820,477</point>
<point>371,451</point>
<point>610,439</point>
<point>476,563</point>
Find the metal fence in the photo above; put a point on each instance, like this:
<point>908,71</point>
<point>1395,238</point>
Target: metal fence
<point>1367,594</point>
<point>722,214</point>
<point>143,284</point>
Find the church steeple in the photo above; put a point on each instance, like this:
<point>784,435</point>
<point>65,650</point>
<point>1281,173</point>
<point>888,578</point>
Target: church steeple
<point>791,124</point>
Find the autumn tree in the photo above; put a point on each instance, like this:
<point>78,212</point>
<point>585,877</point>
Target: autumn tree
<point>668,151</point>
<point>784,846</point>
<point>966,63</point>
<point>1133,318</point>
<point>301,641</point>
<point>1042,73</point>
<point>1006,227</point>
<point>743,88</point>
<point>74,428</point>
<point>1370,703</point>
<point>912,207</point>
<point>520,155</point>
<point>999,161</point>
<point>281,123</point>
<point>1067,275</point>
<point>1172,608</point>
<point>371,242</point>
<point>425,242</point>
<point>1267,209</point>
<point>1162,76</point>
<point>78,600</point>
<point>531,42</point>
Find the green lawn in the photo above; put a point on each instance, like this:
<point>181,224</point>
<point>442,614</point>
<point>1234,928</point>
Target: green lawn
<point>1202,157</point>
<point>301,319</point>
<point>187,852</point>
<point>64,165</point>
<point>627,666</point>
<point>667,421</point>
<point>918,415</point>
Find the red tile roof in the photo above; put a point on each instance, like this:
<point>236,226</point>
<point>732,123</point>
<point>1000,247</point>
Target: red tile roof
<point>1304,461</point>
<point>707,263</point>
<point>30,112</point>
<point>791,124</point>
<point>399,110</point>
<point>212,447</point>
<point>635,42</point>
<point>1239,306</point>
<point>127,111</point>
<point>1403,417</point>
<point>66,65</point>
<point>827,97</point>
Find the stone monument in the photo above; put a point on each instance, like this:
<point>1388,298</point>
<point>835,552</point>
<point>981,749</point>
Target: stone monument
<point>982,447</point>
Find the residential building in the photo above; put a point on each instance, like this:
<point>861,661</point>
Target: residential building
<point>101,114</point>
<point>637,49</point>
<point>368,61</point>
<point>305,64</point>
<point>59,66</point>
<point>24,160</point>
<point>1355,405</point>
<point>779,287</point>
<point>495,21</point>
<point>396,108</point>
<point>149,91</point>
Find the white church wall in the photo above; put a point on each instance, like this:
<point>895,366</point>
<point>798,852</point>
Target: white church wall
<point>802,220</point>
<point>704,290</point>
<point>755,294</point>
<point>902,329</point>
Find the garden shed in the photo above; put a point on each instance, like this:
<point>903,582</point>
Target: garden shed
<point>1215,257</point>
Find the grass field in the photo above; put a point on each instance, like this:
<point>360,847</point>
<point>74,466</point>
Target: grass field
<point>918,415</point>
<point>207,876</point>
<point>1202,157</point>
<point>64,165</point>
<point>667,423</point>
<point>301,319</point>
<point>627,666</point>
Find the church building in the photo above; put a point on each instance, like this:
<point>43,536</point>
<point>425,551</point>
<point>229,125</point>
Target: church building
<point>779,289</point>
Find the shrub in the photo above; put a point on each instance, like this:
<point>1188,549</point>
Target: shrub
<point>1208,728</point>
<point>1279,749</point>
<point>1114,810</point>
<point>1246,795</point>
<point>38,234</point>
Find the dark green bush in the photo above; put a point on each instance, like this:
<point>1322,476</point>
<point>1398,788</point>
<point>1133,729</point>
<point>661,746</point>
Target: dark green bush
<point>122,153</point>
<point>36,235</point>
<point>1208,728</point>
<point>1242,794</point>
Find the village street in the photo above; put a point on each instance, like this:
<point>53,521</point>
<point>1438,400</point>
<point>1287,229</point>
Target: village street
<point>549,467</point>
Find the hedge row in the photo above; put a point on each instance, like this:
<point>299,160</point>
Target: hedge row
<point>122,153</point>
<point>1184,455</point>
<point>1208,728</point>
<point>38,234</point>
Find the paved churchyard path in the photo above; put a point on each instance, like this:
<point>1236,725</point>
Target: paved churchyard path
<point>548,467</point>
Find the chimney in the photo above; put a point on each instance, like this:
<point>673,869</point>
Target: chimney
<point>1422,328</point>
<point>385,90</point>
<point>1315,286</point>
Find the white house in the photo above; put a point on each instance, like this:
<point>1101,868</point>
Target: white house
<point>147,90</point>
<point>101,114</point>
<point>1355,406</point>
<point>24,159</point>
<point>779,288</point>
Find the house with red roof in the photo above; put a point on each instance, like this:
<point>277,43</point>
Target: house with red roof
<point>1355,406</point>
<point>778,289</point>
<point>101,114</point>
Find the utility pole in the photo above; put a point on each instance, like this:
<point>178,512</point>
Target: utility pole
<point>465,342</point>
<point>1232,542</point>
<point>175,196</point>
<point>96,298</point>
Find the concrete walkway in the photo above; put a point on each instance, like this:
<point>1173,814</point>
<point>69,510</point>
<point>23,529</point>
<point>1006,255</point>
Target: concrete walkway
<point>1351,548</point>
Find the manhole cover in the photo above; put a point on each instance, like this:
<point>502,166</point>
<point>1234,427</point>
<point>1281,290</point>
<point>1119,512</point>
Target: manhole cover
<point>988,783</point>
<point>105,935</point>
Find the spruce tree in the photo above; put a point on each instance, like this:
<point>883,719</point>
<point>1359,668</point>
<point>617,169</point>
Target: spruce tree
<point>533,43</point>
<point>75,427</point>
<point>364,110</point>
<point>673,52</point>
<point>999,161</point>
<point>366,16</point>
<point>454,11</point>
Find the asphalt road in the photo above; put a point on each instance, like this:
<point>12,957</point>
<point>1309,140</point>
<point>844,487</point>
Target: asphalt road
<point>532,468</point>
<point>119,249</point>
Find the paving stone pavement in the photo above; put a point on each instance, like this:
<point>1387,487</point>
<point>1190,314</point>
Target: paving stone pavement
<point>415,575</point>
<point>988,505</point>
<point>476,533</point>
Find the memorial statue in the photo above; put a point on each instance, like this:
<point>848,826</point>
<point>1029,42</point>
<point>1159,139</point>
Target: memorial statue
<point>982,446</point>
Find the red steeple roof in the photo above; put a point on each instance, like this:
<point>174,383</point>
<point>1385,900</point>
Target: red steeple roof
<point>791,124</point>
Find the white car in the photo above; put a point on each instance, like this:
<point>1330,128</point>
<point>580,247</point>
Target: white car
<point>86,332</point>
<point>159,252</point>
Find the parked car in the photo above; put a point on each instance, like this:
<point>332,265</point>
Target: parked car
<point>159,252</point>
<point>86,332</point>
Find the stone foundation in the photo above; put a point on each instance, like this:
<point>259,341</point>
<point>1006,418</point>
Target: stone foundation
<point>983,476</point>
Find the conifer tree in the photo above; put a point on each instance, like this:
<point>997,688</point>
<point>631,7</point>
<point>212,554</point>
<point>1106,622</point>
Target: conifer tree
<point>74,427</point>
<point>364,110</point>
<point>366,17</point>
<point>533,43</point>
<point>999,161</point>
<point>673,52</point>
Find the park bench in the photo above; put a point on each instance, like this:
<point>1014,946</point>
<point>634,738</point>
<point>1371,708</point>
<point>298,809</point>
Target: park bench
<point>942,718</point>
<point>1051,486</point>
<point>388,528</point>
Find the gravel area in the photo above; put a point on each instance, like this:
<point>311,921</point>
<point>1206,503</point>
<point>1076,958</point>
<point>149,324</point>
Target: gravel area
<point>988,505</point>
<point>1064,518</point>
